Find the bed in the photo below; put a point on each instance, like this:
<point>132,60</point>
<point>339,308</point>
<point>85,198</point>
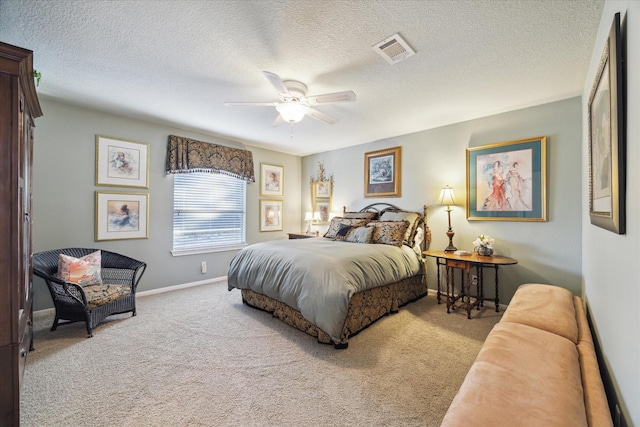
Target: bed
<point>367,265</point>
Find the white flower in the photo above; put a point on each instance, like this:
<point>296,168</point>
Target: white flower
<point>484,240</point>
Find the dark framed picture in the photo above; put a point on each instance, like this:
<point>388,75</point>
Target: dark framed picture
<point>607,146</point>
<point>121,216</point>
<point>382,173</point>
<point>507,181</point>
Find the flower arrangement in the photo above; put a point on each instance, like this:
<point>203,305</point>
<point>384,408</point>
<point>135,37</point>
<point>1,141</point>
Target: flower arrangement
<point>484,240</point>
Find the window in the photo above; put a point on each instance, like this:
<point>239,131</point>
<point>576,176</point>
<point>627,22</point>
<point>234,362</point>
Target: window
<point>209,212</point>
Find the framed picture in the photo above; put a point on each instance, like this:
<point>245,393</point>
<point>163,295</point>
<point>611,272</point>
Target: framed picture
<point>121,163</point>
<point>607,145</point>
<point>507,181</point>
<point>382,172</point>
<point>271,180</point>
<point>323,208</point>
<point>121,216</point>
<point>270,215</point>
<point>322,189</point>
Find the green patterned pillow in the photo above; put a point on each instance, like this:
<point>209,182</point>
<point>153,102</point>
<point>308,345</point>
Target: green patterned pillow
<point>388,232</point>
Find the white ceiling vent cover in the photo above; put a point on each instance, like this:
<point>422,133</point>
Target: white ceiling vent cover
<point>394,49</point>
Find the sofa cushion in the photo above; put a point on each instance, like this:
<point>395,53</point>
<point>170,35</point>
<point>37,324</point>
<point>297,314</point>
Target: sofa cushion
<point>595,400</point>
<point>545,307</point>
<point>522,376</point>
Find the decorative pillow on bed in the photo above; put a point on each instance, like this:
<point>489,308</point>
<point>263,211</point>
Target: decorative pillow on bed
<point>360,215</point>
<point>337,221</point>
<point>360,235</point>
<point>413,218</point>
<point>83,271</point>
<point>388,232</point>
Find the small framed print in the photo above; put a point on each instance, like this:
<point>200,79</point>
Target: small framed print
<point>270,215</point>
<point>271,180</point>
<point>382,173</point>
<point>323,208</point>
<point>121,216</point>
<point>121,163</point>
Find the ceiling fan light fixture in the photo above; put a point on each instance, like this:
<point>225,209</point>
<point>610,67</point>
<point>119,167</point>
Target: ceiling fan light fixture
<point>292,112</point>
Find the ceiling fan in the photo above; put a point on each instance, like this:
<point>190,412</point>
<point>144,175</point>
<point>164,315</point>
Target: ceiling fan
<point>294,103</point>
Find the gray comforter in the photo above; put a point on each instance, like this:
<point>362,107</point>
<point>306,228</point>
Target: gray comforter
<point>318,276</point>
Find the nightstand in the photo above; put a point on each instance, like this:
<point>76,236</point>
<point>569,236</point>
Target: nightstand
<point>293,236</point>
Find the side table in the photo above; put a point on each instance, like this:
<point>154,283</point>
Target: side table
<point>465,263</point>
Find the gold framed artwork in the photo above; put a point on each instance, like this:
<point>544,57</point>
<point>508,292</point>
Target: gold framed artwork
<point>270,215</point>
<point>121,216</point>
<point>382,173</point>
<point>271,180</point>
<point>507,181</point>
<point>607,145</point>
<point>121,163</point>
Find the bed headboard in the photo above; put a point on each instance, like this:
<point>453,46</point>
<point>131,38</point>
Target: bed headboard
<point>380,208</point>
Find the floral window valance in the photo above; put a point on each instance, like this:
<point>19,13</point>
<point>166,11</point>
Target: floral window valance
<point>186,155</point>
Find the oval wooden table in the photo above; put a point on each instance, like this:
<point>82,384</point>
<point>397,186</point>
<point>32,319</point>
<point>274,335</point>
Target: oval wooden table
<point>466,262</point>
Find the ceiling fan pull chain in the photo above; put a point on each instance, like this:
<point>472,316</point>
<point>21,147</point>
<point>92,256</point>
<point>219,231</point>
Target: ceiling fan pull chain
<point>291,137</point>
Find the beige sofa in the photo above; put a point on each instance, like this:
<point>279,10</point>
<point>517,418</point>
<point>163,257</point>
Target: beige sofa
<point>537,367</point>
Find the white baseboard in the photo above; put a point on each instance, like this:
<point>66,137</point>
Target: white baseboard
<point>181,286</point>
<point>50,312</point>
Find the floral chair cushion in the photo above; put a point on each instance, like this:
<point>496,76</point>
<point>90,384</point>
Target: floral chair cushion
<point>98,295</point>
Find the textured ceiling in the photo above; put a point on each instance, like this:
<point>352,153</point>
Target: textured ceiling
<point>177,62</point>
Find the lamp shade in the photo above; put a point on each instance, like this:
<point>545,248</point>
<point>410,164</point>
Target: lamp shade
<point>446,196</point>
<point>292,112</point>
<point>307,216</point>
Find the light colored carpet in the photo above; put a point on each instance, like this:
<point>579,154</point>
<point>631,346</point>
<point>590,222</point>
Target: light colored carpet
<point>199,357</point>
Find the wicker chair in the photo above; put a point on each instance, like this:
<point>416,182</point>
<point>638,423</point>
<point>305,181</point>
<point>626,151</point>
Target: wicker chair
<point>74,303</point>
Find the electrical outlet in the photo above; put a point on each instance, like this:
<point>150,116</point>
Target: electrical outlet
<point>203,267</point>
<point>474,280</point>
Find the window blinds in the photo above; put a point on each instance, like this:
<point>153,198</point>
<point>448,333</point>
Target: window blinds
<point>209,211</point>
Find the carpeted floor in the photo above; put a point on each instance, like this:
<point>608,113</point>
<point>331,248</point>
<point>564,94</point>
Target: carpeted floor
<point>199,357</point>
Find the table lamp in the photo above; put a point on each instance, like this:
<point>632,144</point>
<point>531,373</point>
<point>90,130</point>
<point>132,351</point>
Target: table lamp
<point>308,218</point>
<point>446,199</point>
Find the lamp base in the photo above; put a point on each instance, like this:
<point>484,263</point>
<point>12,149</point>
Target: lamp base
<point>450,248</point>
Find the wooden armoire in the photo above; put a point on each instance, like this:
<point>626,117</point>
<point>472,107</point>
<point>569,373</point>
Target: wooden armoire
<point>19,106</point>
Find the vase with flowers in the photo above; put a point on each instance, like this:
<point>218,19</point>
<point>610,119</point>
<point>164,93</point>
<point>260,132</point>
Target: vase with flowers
<point>483,245</point>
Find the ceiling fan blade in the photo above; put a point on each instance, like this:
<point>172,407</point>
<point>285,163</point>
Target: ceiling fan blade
<point>251,104</point>
<point>346,96</point>
<point>321,116</point>
<point>276,82</point>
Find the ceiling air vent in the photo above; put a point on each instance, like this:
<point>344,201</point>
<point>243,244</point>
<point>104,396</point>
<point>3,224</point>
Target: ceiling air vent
<point>394,49</point>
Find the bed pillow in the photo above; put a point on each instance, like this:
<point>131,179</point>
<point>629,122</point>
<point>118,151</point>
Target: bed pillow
<point>412,217</point>
<point>343,232</point>
<point>388,232</point>
<point>360,235</point>
<point>337,221</point>
<point>359,215</point>
<point>82,271</point>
